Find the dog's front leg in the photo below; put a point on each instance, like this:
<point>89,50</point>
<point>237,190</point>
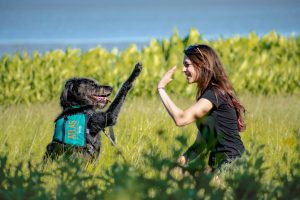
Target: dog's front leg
<point>115,107</point>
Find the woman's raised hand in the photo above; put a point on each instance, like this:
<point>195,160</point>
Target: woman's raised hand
<point>182,160</point>
<point>167,78</point>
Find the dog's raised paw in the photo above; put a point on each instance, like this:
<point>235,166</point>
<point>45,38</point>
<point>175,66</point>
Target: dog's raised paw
<point>135,73</point>
<point>138,68</point>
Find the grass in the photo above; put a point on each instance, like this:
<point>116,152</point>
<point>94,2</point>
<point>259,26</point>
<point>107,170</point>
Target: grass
<point>149,141</point>
<point>144,123</point>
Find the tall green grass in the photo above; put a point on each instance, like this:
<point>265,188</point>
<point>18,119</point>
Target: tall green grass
<point>145,130</point>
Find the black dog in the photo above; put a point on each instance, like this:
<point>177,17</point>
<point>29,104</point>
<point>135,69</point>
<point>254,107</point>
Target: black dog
<point>82,98</point>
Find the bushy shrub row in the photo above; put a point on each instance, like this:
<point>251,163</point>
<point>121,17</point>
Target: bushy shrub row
<point>261,65</point>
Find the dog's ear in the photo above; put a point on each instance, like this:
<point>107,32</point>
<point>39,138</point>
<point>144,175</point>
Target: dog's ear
<point>68,88</point>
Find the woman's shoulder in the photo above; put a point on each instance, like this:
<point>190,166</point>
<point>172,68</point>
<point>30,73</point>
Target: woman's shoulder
<point>211,95</point>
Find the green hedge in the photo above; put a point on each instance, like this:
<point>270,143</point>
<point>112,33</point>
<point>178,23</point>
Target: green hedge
<point>259,65</point>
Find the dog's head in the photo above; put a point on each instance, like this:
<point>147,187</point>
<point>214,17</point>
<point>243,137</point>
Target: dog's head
<point>83,92</point>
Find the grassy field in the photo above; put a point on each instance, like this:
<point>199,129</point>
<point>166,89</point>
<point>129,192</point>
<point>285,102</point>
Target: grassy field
<point>27,129</point>
<point>144,128</point>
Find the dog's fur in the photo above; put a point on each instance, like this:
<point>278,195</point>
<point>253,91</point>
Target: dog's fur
<point>91,97</point>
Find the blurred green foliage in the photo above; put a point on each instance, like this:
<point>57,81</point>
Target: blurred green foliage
<point>260,65</point>
<point>160,179</point>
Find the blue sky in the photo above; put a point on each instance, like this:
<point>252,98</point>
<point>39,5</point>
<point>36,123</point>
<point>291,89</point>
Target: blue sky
<point>37,21</point>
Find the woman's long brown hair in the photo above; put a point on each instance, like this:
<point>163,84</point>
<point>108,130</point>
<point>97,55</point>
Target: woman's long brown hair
<point>211,74</point>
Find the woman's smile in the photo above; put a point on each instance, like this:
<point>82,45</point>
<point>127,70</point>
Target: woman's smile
<point>189,70</point>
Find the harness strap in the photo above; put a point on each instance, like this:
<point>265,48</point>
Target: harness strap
<point>112,134</point>
<point>90,146</point>
<point>73,107</point>
<point>115,145</point>
<point>64,131</point>
<point>91,140</point>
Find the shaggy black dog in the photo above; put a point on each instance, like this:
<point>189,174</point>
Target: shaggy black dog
<point>82,95</point>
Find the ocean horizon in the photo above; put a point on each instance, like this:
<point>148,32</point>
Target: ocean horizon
<point>41,25</point>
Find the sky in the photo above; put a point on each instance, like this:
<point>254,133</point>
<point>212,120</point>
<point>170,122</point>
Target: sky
<point>102,21</point>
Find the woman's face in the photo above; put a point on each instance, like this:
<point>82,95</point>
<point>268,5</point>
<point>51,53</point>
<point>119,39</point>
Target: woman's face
<point>189,70</point>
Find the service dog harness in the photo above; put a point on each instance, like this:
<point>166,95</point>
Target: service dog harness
<point>71,129</point>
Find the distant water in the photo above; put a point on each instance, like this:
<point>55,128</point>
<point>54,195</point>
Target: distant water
<point>50,24</point>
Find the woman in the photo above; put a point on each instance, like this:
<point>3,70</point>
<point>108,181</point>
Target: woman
<point>217,111</point>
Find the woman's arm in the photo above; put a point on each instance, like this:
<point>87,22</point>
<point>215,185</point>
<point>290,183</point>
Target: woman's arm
<point>193,151</point>
<point>181,117</point>
<point>184,117</point>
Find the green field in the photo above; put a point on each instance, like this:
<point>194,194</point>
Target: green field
<point>145,128</point>
<point>264,71</point>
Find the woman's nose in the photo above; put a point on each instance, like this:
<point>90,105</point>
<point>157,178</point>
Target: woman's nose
<point>184,69</point>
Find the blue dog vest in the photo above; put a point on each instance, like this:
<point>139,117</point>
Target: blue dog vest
<point>71,129</point>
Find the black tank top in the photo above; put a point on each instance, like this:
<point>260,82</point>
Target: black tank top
<point>219,128</point>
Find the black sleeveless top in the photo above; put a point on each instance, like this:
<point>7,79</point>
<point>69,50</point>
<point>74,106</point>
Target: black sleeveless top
<point>219,128</point>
